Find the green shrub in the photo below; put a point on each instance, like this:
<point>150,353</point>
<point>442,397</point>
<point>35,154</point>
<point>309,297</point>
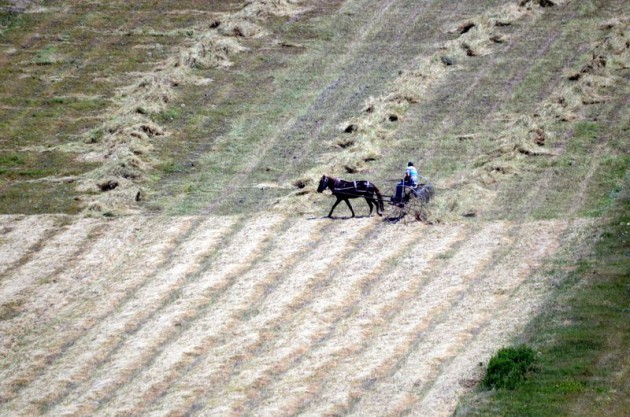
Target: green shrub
<point>508,367</point>
<point>12,160</point>
<point>47,56</point>
<point>9,20</point>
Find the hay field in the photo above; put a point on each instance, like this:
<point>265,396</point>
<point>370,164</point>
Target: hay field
<point>162,246</point>
<point>264,315</point>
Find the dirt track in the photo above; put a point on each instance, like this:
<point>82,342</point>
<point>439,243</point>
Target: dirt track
<point>215,316</point>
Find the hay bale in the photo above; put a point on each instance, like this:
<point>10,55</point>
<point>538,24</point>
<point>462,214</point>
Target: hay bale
<point>210,51</point>
<point>241,28</point>
<point>148,95</point>
<point>264,8</point>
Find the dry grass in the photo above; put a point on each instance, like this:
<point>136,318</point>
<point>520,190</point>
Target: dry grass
<point>275,315</point>
<point>526,136</point>
<point>20,238</point>
<point>88,303</point>
<point>361,139</point>
<point>300,321</point>
<point>125,148</point>
<point>210,50</point>
<point>585,86</point>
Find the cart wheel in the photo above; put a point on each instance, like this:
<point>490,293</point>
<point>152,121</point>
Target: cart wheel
<point>413,208</point>
<point>395,214</point>
<point>410,210</point>
<point>416,211</point>
<point>399,211</point>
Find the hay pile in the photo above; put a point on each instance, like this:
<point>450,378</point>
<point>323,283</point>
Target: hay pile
<point>523,137</point>
<point>588,85</point>
<point>526,136</point>
<point>360,139</point>
<point>210,50</point>
<point>123,143</point>
<point>265,8</point>
<point>479,34</point>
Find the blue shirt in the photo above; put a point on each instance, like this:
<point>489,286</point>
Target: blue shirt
<point>413,174</point>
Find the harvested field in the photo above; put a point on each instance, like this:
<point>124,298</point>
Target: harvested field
<point>310,317</point>
<point>162,250</point>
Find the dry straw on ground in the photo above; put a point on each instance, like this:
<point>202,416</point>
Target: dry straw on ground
<point>160,317</point>
<point>210,51</point>
<point>526,136</point>
<point>124,142</point>
<point>362,137</point>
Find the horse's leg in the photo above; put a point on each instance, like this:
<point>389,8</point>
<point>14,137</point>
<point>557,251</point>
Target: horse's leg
<point>379,202</point>
<point>375,201</point>
<point>369,201</point>
<point>333,207</point>
<point>349,206</point>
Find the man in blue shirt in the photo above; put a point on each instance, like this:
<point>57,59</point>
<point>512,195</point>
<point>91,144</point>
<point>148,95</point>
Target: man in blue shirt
<point>410,180</point>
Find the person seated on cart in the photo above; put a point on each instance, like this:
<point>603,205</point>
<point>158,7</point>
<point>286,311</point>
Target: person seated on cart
<point>410,180</point>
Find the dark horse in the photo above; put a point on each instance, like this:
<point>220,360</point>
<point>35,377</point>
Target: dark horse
<point>345,190</point>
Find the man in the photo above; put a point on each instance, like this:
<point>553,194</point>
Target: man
<point>410,180</point>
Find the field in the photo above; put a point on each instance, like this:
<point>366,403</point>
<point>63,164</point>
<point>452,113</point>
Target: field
<point>162,247</point>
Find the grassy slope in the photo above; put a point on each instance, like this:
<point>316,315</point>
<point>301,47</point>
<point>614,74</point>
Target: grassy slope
<point>581,337</point>
<point>271,117</point>
<point>62,68</point>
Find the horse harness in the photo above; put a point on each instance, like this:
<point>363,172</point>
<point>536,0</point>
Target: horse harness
<point>354,187</point>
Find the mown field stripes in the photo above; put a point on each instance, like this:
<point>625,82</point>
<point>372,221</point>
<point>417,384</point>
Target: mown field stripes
<point>211,337</point>
<point>316,319</point>
<point>86,355</point>
<point>49,336</point>
<point>529,296</point>
<point>43,303</point>
<point>62,247</point>
<point>174,324</point>
<point>217,315</point>
<point>393,286</point>
<point>335,389</point>
<point>489,293</point>
<point>19,235</point>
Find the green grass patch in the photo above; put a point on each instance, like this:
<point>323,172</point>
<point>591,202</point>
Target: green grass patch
<point>10,20</point>
<point>24,184</point>
<point>606,184</point>
<point>12,160</point>
<point>166,116</point>
<point>509,367</point>
<point>47,56</point>
<point>38,198</point>
<point>31,165</point>
<point>582,339</point>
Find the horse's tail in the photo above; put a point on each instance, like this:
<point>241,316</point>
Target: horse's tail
<point>381,205</point>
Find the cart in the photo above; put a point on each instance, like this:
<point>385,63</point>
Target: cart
<point>413,206</point>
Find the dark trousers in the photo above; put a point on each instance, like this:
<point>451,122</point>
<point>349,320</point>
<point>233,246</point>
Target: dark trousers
<point>400,189</point>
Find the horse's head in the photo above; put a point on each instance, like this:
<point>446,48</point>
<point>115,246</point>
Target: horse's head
<point>323,183</point>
